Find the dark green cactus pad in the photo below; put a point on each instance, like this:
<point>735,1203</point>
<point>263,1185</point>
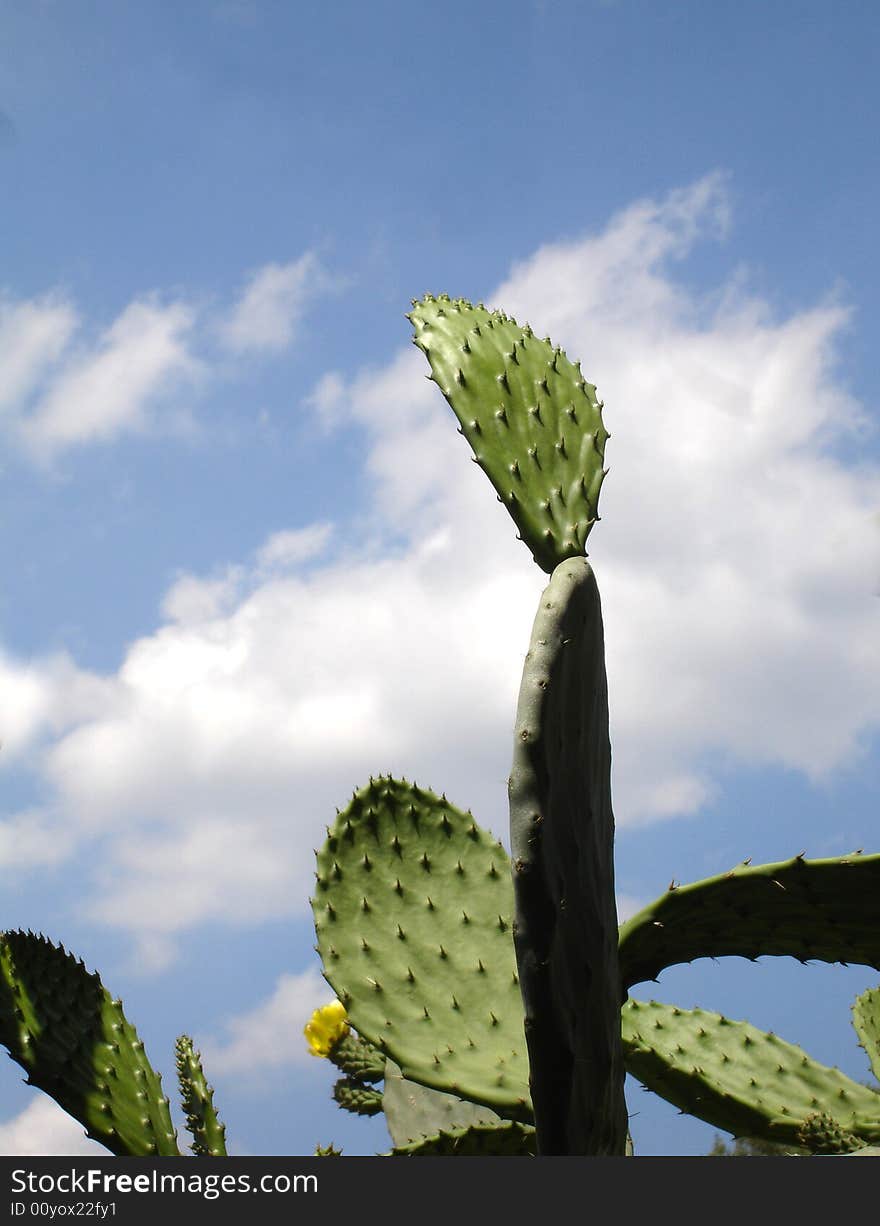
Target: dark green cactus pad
<point>72,1039</point>
<point>509,1139</point>
<point>532,420</point>
<point>197,1099</point>
<point>821,1133</point>
<point>828,910</point>
<point>358,1058</point>
<point>356,1097</point>
<point>741,1079</point>
<point>414,1112</point>
<point>413,918</point>
<point>562,837</point>
<point>866,1019</point>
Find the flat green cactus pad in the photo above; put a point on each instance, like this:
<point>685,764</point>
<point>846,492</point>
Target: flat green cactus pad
<point>72,1039</point>
<point>828,910</point>
<point>741,1079</point>
<point>414,1113</point>
<point>412,913</point>
<point>508,1139</point>
<point>866,1019</point>
<point>532,420</point>
<point>562,837</point>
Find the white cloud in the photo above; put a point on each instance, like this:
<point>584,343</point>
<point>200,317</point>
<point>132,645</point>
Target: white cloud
<point>111,387</point>
<point>42,1129</point>
<point>737,558</point>
<point>270,308</point>
<point>33,335</point>
<point>270,1036</point>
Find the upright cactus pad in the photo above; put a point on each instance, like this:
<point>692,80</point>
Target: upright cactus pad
<point>412,915</point>
<point>866,1019</point>
<point>562,835</point>
<point>743,1080</point>
<point>414,1113</point>
<point>208,1134</point>
<point>73,1041</point>
<point>827,910</point>
<point>533,421</point>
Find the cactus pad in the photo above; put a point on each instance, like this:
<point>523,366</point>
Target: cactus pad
<point>562,835</point>
<point>532,420</point>
<point>741,1079</point>
<point>414,1113</point>
<point>866,1019</point>
<point>828,910</point>
<point>412,913</point>
<point>197,1098</point>
<point>72,1039</point>
<point>509,1139</point>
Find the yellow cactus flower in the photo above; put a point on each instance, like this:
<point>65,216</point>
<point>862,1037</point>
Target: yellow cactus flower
<point>325,1028</point>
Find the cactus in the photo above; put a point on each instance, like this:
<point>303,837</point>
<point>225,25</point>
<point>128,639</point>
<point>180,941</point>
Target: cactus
<point>807,909</point>
<point>412,913</point>
<point>562,833</point>
<point>741,1079</point>
<point>866,1020</point>
<point>532,420</point>
<point>73,1040</point>
<point>209,1135</point>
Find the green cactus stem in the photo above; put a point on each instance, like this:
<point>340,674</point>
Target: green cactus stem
<point>356,1097</point>
<point>414,1112</point>
<point>508,1139</point>
<point>562,834</point>
<point>412,913</point>
<point>74,1042</point>
<point>197,1098</point>
<point>532,420</point>
<point>741,1079</point>
<point>866,1020</point>
<point>828,910</point>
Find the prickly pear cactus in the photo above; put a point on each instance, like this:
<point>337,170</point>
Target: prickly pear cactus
<point>866,1020</point>
<point>412,915</point>
<point>73,1041</point>
<point>415,1113</point>
<point>828,910</point>
<point>532,420</point>
<point>743,1080</point>
<point>197,1098</point>
<point>562,835</point>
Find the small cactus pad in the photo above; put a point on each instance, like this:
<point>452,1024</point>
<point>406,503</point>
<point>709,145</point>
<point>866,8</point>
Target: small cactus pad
<point>72,1039</point>
<point>866,1019</point>
<point>358,1058</point>
<point>412,913</point>
<point>738,1078</point>
<point>828,910</point>
<point>197,1098</point>
<point>507,1139</point>
<point>532,420</point>
<point>562,835</point>
<point>356,1097</point>
<point>414,1112</point>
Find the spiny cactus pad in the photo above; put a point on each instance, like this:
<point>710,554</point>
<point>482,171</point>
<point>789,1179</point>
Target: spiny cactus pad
<point>412,913</point>
<point>828,910</point>
<point>72,1039</point>
<point>414,1113</point>
<point>738,1078</point>
<point>197,1098</point>
<point>508,1139</point>
<point>866,1019</point>
<point>356,1097</point>
<point>532,420</point>
<point>562,835</point>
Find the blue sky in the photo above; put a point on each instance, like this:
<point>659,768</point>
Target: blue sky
<point>247,563</point>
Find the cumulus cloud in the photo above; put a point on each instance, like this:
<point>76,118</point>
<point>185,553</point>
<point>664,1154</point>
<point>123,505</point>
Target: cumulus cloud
<point>270,1036</point>
<point>111,387</point>
<point>737,559</point>
<point>271,306</point>
<point>61,386</point>
<point>42,1129</point>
